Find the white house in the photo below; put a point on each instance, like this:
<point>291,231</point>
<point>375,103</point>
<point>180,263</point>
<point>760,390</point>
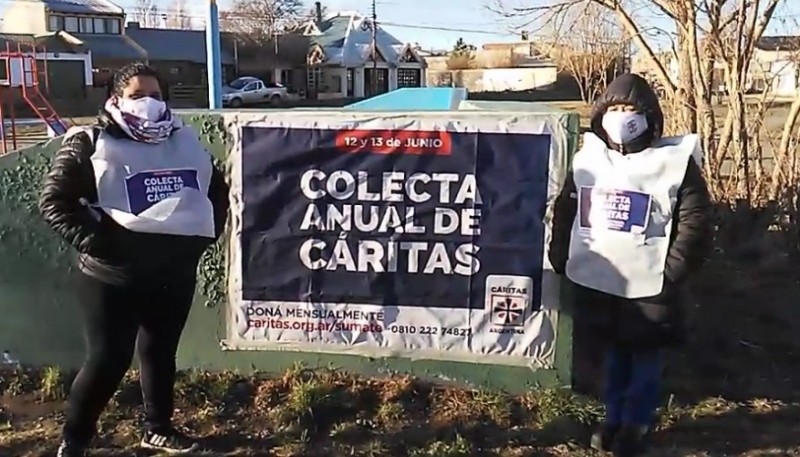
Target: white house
<point>342,60</point>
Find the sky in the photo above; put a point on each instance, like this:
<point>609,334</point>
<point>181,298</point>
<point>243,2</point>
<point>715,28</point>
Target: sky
<point>469,19</point>
<point>438,24</point>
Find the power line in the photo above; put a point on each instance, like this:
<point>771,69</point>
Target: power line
<point>235,15</point>
<point>447,29</point>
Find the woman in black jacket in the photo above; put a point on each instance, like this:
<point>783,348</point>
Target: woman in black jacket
<point>627,121</point>
<point>140,200</point>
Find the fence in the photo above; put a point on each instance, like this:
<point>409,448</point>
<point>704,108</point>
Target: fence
<point>40,324</point>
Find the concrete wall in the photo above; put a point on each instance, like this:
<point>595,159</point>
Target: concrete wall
<point>494,79</point>
<point>40,322</point>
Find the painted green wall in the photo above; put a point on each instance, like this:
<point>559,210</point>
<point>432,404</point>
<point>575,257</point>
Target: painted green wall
<point>41,325</point>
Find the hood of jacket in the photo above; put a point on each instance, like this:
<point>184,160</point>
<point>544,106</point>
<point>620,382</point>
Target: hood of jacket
<point>109,125</point>
<point>630,89</point>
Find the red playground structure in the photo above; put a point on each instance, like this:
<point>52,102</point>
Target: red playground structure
<point>22,72</point>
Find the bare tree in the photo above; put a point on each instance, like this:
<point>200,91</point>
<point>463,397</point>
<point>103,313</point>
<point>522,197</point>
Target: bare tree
<point>708,35</point>
<point>179,17</point>
<point>714,44</point>
<point>588,45</point>
<point>258,21</point>
<point>146,13</point>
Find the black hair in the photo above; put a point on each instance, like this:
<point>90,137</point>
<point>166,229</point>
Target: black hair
<point>120,79</point>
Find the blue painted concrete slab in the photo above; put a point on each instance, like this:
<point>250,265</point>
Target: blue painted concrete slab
<point>413,99</point>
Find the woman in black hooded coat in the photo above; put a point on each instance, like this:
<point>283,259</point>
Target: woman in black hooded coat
<point>636,329</point>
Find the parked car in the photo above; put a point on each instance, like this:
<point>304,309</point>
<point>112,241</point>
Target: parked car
<point>248,90</point>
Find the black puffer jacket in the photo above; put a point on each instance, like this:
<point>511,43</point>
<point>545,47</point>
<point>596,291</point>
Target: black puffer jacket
<point>106,250</point>
<point>654,321</point>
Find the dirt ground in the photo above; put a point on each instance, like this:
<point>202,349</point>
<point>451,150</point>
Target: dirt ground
<point>734,390</point>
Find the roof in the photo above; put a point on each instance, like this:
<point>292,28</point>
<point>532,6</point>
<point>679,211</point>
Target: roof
<point>288,50</point>
<point>51,41</point>
<point>779,43</point>
<point>111,46</point>
<point>175,45</point>
<point>346,40</point>
<point>83,6</point>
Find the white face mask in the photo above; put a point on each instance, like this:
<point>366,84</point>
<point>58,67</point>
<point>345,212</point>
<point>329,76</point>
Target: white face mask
<point>147,108</point>
<point>624,126</point>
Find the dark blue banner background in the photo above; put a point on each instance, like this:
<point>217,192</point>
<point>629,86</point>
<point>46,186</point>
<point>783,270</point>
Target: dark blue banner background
<point>512,175</point>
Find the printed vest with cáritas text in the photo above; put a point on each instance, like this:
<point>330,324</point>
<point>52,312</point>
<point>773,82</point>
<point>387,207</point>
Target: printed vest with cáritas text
<point>155,188</point>
<point>621,233</point>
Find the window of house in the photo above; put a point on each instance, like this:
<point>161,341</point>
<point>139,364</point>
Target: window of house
<point>99,25</point>
<point>112,26</point>
<point>350,82</point>
<point>71,24</point>
<point>55,23</point>
<point>409,77</point>
<point>86,24</point>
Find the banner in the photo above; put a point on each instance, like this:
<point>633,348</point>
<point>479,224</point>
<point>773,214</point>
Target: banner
<point>380,240</point>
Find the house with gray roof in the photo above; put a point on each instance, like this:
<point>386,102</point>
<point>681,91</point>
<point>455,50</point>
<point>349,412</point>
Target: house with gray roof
<point>68,30</point>
<point>92,31</point>
<point>343,61</point>
<point>37,17</point>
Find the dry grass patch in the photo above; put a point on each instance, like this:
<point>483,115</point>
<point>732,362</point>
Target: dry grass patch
<point>329,412</point>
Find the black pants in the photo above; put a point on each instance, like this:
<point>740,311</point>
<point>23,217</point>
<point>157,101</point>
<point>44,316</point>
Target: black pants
<point>149,317</point>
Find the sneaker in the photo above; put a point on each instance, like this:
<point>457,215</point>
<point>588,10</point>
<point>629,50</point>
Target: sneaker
<point>170,442</point>
<point>67,450</point>
<point>631,441</point>
<point>603,437</point>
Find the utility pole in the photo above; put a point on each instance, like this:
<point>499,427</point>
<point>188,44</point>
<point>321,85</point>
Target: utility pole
<point>213,61</point>
<point>374,81</point>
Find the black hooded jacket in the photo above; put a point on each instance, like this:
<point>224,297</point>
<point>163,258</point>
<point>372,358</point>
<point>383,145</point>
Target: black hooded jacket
<point>106,250</point>
<point>652,321</point>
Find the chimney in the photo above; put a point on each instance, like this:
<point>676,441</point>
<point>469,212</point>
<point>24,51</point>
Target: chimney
<point>318,7</point>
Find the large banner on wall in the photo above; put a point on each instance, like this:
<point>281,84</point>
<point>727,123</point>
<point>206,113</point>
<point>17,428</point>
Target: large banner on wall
<point>379,240</point>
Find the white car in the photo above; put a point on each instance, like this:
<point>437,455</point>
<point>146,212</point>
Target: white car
<point>248,90</point>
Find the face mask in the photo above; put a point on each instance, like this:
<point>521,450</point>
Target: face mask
<point>622,127</point>
<point>146,108</point>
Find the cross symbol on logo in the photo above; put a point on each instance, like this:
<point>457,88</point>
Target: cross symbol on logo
<point>507,310</point>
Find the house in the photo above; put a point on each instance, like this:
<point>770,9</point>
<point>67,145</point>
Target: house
<point>36,17</point>
<point>59,57</point>
<point>49,29</point>
<point>343,61</point>
<point>282,60</point>
<point>525,48</point>
<point>179,55</point>
<point>332,57</point>
<point>90,34</point>
<point>496,67</point>
<point>776,65</point>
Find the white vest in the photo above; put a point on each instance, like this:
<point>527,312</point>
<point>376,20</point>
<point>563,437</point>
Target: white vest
<point>621,233</point>
<point>155,188</point>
